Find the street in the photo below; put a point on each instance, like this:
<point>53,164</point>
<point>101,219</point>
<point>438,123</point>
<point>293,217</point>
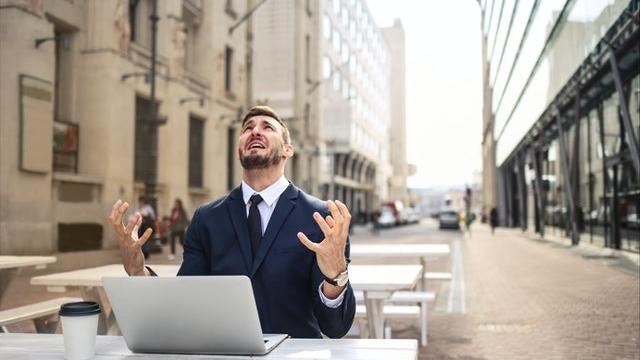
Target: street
<point>510,297</point>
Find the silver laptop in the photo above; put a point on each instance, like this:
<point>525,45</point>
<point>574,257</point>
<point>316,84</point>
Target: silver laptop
<point>189,315</point>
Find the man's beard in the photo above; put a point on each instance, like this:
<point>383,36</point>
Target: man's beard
<point>253,162</point>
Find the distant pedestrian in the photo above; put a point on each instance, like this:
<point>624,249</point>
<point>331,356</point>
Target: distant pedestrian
<point>493,218</point>
<point>468,218</point>
<point>148,221</point>
<point>179,223</point>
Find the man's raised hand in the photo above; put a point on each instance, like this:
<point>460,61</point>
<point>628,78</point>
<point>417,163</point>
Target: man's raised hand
<point>330,251</point>
<point>128,241</point>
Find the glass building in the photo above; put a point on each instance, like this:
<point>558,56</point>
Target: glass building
<point>562,117</point>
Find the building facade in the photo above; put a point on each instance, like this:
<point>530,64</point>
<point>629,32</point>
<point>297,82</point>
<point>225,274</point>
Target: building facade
<point>325,66</point>
<point>563,84</point>
<point>394,36</point>
<point>75,112</point>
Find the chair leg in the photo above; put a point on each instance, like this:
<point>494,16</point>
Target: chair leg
<point>423,323</point>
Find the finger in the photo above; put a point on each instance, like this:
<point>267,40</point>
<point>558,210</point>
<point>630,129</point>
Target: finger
<point>137,227</point>
<point>114,208</point>
<point>145,236</point>
<point>346,216</point>
<point>132,223</point>
<point>335,213</point>
<point>330,221</point>
<point>122,209</point>
<point>308,243</point>
<point>326,229</point>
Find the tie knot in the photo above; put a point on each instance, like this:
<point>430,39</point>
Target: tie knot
<point>255,199</point>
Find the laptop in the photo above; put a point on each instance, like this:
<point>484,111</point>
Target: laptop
<point>189,315</point>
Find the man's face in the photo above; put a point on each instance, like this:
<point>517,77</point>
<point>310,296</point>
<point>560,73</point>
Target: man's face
<point>262,143</point>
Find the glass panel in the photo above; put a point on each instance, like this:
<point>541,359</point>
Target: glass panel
<point>523,11</point>
<point>495,20</point>
<point>503,30</point>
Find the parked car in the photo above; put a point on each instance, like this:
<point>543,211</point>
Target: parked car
<point>449,219</point>
<point>398,211</point>
<point>386,218</point>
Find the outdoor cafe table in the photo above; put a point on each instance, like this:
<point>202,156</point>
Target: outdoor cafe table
<point>422,251</point>
<point>10,266</point>
<point>89,282</point>
<point>51,346</point>
<point>377,282</point>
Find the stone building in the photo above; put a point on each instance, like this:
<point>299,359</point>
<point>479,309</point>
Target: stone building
<point>74,110</point>
<point>326,65</point>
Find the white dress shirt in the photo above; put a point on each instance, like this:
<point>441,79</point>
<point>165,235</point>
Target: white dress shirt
<point>270,197</point>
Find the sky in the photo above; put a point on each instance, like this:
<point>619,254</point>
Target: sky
<point>443,87</point>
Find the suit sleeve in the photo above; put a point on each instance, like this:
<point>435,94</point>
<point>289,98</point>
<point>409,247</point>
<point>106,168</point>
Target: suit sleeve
<point>334,322</point>
<point>195,251</point>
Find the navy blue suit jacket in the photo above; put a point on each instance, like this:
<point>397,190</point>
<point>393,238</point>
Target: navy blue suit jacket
<point>284,274</point>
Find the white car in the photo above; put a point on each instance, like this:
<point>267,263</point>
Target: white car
<point>386,218</point>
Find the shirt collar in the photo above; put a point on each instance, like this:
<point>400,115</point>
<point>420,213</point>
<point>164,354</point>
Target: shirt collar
<point>269,195</point>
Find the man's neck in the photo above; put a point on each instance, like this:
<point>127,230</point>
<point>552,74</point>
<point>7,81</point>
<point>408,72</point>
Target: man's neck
<point>260,179</point>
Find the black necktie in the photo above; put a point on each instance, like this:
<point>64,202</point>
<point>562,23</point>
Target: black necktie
<point>255,223</point>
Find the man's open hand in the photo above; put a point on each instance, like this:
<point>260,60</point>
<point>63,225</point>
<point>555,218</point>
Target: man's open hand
<point>128,241</point>
<point>330,251</point>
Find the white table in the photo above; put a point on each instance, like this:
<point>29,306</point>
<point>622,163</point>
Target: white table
<point>51,346</point>
<point>378,282</point>
<point>11,265</point>
<point>423,251</point>
<point>89,283</point>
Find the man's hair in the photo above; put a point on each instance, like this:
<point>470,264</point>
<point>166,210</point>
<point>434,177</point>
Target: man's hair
<point>267,111</point>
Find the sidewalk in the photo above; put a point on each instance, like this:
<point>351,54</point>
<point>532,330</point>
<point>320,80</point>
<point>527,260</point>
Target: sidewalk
<point>532,300</point>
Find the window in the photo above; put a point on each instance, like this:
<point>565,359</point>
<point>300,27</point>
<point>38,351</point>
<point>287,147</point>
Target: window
<point>326,26</point>
<point>139,13</point>
<point>65,147</point>
<point>326,67</point>
<point>143,114</point>
<point>191,27</point>
<point>337,43</point>
<point>228,68</point>
<point>65,131</point>
<point>196,151</point>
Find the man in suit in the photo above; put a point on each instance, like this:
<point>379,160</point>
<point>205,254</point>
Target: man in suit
<point>292,246</point>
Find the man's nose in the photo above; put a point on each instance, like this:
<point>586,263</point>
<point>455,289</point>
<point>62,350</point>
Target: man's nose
<point>255,130</point>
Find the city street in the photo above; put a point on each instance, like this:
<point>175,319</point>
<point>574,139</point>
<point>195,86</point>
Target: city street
<point>510,297</point>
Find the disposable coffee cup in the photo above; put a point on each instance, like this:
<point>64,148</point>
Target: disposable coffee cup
<point>79,329</point>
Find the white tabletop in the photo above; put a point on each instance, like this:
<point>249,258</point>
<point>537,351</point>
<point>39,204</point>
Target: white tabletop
<point>384,277</point>
<point>8,262</point>
<point>93,276</point>
<point>362,277</point>
<point>51,346</point>
<point>410,250</point>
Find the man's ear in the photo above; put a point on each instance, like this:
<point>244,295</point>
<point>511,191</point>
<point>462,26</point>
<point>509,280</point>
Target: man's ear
<point>288,150</point>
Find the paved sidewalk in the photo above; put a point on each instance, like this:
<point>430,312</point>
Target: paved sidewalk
<point>534,300</point>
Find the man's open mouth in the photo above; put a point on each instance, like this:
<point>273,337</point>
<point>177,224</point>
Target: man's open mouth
<point>256,145</point>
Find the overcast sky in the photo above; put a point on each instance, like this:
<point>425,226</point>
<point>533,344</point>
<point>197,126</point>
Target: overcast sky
<point>443,87</point>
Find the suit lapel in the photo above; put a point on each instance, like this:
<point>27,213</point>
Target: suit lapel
<point>286,203</point>
<point>238,213</point>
